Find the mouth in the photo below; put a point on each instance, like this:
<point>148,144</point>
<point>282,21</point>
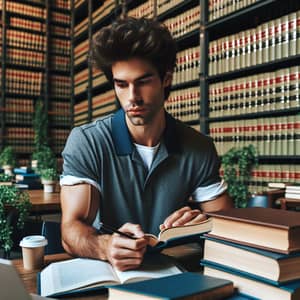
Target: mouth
<point>136,110</point>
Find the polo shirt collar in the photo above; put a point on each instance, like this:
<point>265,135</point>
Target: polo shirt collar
<point>122,139</point>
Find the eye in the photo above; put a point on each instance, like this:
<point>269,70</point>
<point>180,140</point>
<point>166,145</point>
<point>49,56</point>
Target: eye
<point>121,84</point>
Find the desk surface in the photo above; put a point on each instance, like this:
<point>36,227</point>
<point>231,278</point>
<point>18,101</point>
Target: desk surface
<point>44,202</point>
<point>187,255</point>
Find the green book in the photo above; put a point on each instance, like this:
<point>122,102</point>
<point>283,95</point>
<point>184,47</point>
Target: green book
<point>182,286</point>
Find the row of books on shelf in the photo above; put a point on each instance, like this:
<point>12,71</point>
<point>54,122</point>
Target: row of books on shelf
<point>17,22</point>
<point>258,249</point>
<point>165,5</point>
<point>60,46</point>
<point>270,136</point>
<point>61,31</point>
<point>24,9</point>
<point>145,9</point>
<point>105,9</point>
<point>60,17</point>
<point>267,42</point>
<point>221,8</point>
<point>61,119</point>
<point>81,50</point>
<point>61,63</point>
<point>25,57</point>
<point>262,92</point>
<point>187,67</point>
<point>184,23</point>
<point>63,4</point>
<point>184,104</point>
<point>23,82</point>
<point>27,40</point>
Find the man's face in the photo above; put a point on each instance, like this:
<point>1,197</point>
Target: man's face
<point>139,90</point>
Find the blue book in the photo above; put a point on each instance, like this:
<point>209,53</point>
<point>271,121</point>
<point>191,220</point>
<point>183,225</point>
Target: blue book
<point>277,267</point>
<point>181,286</point>
<point>28,176</point>
<point>23,170</point>
<point>253,285</point>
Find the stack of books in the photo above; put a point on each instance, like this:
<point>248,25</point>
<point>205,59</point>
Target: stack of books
<point>292,191</point>
<point>256,248</point>
<point>26,178</point>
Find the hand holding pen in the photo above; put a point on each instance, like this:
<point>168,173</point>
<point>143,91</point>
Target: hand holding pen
<point>107,229</point>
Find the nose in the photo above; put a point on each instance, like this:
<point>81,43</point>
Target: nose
<point>133,93</point>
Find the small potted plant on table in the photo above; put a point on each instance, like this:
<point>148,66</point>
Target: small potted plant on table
<point>7,160</point>
<point>49,179</point>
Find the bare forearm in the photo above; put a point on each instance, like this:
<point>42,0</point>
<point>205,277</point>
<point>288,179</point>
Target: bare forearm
<point>80,239</point>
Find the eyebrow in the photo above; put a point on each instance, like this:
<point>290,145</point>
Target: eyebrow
<point>144,76</point>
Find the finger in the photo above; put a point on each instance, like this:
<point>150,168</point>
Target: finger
<point>126,243</point>
<point>198,219</point>
<point>187,217</point>
<point>132,229</point>
<point>175,216</point>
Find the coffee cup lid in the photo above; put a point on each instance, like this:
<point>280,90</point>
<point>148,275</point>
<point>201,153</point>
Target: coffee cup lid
<point>33,241</point>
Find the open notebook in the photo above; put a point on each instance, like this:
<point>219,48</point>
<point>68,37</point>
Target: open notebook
<point>11,285</point>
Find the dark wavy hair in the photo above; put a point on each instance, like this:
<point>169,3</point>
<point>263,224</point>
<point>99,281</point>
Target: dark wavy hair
<point>129,38</point>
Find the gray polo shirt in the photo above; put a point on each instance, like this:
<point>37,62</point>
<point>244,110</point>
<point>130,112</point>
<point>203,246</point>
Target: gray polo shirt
<point>103,152</point>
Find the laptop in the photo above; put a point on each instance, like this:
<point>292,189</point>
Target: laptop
<point>11,285</point>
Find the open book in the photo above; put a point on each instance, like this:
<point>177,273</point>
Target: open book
<point>82,274</point>
<point>180,234</point>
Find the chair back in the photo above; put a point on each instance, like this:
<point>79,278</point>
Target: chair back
<point>51,230</point>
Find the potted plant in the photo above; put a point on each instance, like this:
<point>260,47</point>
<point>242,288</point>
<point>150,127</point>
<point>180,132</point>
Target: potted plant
<point>5,179</point>
<point>13,204</point>
<point>43,156</point>
<point>237,164</point>
<point>49,178</point>
<point>7,159</point>
<point>43,159</point>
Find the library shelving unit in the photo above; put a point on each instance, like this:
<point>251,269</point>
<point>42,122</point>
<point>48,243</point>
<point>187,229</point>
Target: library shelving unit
<point>237,75</point>
<point>22,70</point>
<point>249,81</point>
<point>93,96</point>
<point>30,30</point>
<point>59,60</point>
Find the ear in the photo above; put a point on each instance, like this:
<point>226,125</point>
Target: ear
<point>168,79</point>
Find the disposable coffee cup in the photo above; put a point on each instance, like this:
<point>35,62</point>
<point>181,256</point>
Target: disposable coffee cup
<point>33,249</point>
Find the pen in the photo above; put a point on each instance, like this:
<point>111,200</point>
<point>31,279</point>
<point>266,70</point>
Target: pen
<point>107,229</point>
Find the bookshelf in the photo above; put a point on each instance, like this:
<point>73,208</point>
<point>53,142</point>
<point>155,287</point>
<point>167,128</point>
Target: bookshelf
<point>237,76</point>
<point>35,64</point>
<point>251,83</point>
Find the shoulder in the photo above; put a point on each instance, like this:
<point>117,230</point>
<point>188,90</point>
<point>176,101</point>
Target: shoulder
<point>94,129</point>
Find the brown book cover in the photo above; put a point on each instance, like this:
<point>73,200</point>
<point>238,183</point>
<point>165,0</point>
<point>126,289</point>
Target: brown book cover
<point>267,228</point>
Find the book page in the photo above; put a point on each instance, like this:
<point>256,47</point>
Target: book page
<point>185,230</point>
<point>153,266</point>
<point>74,273</point>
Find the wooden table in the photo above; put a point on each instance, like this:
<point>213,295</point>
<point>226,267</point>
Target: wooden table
<point>44,202</point>
<point>187,255</point>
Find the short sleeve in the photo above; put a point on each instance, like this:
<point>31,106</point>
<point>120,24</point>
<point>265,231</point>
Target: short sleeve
<point>79,157</point>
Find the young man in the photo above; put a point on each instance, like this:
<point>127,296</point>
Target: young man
<point>136,169</point>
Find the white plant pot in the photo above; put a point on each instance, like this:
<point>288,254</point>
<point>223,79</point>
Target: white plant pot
<point>49,186</point>
<point>7,170</point>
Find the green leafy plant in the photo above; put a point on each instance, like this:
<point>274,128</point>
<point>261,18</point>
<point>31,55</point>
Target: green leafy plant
<point>45,158</point>
<point>7,157</point>
<point>49,174</point>
<point>42,153</point>
<point>5,178</point>
<point>237,164</point>
<point>15,201</point>
<point>40,126</point>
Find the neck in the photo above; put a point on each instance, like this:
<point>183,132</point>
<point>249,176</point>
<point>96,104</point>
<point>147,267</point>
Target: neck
<point>149,134</point>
